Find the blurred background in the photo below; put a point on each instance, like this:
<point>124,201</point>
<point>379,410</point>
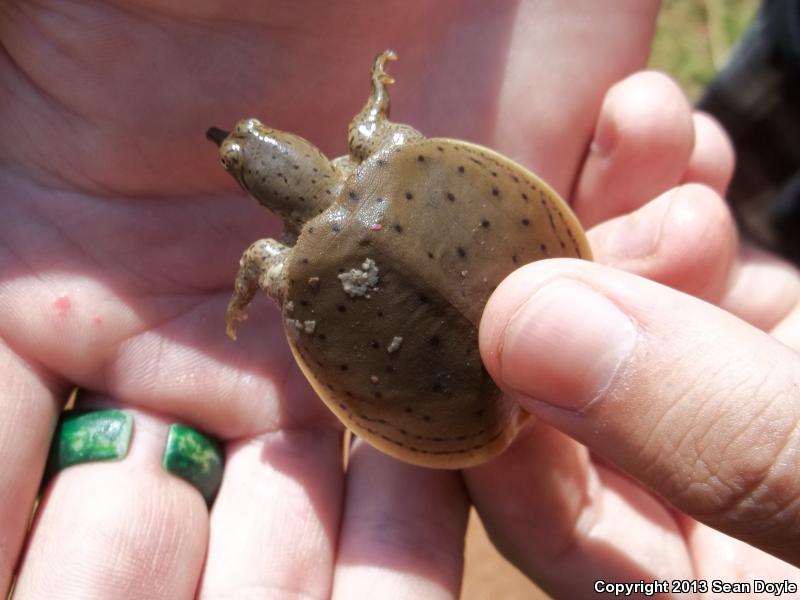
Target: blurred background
<point>693,41</point>
<point>694,38</point>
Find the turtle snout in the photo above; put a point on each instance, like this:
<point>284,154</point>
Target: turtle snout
<point>216,135</point>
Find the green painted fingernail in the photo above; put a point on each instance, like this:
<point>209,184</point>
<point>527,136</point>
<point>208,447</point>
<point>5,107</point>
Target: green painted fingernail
<point>195,458</point>
<point>87,436</point>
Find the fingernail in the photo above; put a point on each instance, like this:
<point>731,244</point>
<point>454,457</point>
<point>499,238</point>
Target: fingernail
<point>565,345</point>
<point>83,436</point>
<point>195,458</point>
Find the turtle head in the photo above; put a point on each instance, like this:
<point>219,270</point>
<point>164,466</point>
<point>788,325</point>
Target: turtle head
<point>284,172</point>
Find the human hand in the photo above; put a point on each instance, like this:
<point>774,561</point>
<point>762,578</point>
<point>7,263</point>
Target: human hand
<point>687,410</point>
<point>122,237</point>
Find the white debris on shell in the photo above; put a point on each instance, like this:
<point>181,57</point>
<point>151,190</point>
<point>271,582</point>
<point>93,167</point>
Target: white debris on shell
<point>360,282</point>
<point>395,345</point>
<point>307,326</point>
<point>374,379</point>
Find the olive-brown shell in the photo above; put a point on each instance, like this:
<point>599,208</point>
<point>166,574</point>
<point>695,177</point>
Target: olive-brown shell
<point>387,286</point>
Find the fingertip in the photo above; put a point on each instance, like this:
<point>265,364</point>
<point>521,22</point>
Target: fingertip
<point>642,143</point>
<point>713,158</point>
<point>685,238</point>
<point>536,350</point>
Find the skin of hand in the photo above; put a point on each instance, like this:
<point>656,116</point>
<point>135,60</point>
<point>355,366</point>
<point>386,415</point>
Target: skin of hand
<point>120,238</point>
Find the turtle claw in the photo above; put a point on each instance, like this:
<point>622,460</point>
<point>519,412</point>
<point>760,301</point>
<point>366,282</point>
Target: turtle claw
<point>378,71</point>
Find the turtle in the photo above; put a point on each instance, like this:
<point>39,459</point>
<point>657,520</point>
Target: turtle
<point>388,258</point>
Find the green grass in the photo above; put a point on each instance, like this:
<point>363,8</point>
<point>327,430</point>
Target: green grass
<point>694,37</point>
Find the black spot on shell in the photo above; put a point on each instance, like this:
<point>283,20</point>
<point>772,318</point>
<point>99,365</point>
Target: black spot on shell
<point>426,418</point>
<point>435,341</point>
<point>451,197</point>
<point>430,254</point>
<point>485,224</point>
<point>398,228</point>
<point>526,222</point>
<point>379,313</point>
<point>353,196</point>
<point>377,394</point>
<point>322,337</point>
<point>461,168</point>
<point>525,196</point>
<point>494,173</point>
<point>423,299</point>
<point>408,410</point>
<point>461,252</point>
<point>341,308</point>
<point>363,242</point>
<point>480,413</point>
<point>437,388</point>
<point>514,259</point>
<point>374,344</point>
<point>409,195</point>
<point>543,247</point>
<point>495,191</point>
<point>380,162</point>
<point>379,199</point>
<point>343,367</point>
<point>390,369</point>
<point>440,149</point>
<point>421,158</point>
<point>336,228</point>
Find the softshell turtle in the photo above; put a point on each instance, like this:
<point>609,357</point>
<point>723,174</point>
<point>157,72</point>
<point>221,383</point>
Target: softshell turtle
<point>389,256</point>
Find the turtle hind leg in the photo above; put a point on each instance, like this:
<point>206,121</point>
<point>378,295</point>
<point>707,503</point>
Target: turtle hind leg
<point>371,130</point>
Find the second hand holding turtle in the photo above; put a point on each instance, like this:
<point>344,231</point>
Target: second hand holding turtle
<point>390,255</point>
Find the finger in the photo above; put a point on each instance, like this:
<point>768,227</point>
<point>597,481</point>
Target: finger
<point>765,291</point>
<point>101,525</point>
<point>685,238</point>
<point>721,557</point>
<point>274,524</point>
<point>402,532</point>
<point>712,159</point>
<point>29,405</point>
<point>689,399</point>
<point>559,518</point>
<point>641,147</point>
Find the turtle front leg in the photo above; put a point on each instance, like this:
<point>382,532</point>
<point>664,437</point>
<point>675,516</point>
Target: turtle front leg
<point>371,130</point>
<point>261,267</point>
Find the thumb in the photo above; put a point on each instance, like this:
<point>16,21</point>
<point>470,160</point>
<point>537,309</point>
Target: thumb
<point>698,405</point>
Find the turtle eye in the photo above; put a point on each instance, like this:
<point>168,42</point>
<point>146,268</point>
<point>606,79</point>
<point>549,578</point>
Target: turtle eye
<point>230,155</point>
